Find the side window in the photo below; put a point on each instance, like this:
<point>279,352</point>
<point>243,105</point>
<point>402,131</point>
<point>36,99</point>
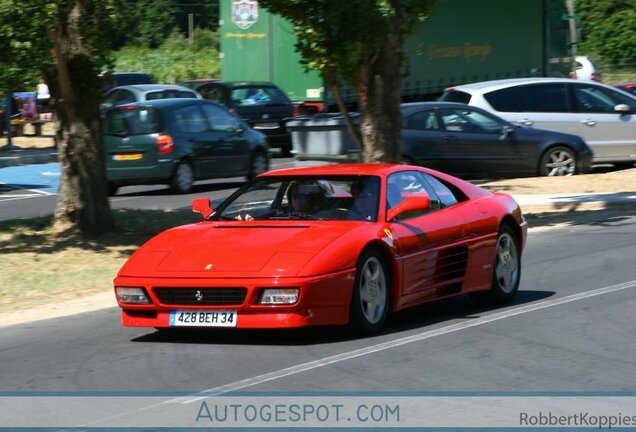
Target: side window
<point>446,195</point>
<point>421,120</point>
<point>191,119</point>
<point>219,119</point>
<point>530,98</point>
<point>124,97</point>
<point>402,184</point>
<point>591,98</point>
<point>214,93</point>
<point>468,120</point>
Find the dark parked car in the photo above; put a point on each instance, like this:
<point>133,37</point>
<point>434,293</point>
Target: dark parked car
<point>468,141</point>
<point>178,141</point>
<point>262,104</point>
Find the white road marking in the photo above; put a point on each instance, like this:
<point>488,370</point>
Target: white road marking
<point>250,382</point>
<point>271,376</point>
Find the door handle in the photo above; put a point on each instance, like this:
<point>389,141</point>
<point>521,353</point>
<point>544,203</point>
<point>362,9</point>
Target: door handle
<point>589,122</point>
<point>526,122</point>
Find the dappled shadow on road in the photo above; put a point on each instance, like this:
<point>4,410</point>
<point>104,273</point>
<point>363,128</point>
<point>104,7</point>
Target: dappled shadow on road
<point>417,318</point>
<point>577,214</point>
<point>133,228</point>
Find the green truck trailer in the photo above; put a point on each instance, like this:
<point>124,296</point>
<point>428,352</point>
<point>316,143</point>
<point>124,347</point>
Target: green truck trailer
<point>462,41</point>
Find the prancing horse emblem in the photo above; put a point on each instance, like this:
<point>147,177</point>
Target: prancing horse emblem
<point>198,295</point>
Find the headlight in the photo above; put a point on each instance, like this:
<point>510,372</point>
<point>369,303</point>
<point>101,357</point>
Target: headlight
<point>279,296</point>
<point>132,295</point>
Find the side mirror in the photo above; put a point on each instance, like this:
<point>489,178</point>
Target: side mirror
<point>203,206</point>
<point>419,202</point>
<point>622,108</point>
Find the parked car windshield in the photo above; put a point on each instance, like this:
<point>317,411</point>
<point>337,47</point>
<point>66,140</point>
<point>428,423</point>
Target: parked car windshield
<point>133,121</point>
<point>304,198</point>
<point>258,95</point>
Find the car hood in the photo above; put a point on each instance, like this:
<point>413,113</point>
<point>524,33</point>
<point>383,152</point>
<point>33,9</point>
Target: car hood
<point>229,249</point>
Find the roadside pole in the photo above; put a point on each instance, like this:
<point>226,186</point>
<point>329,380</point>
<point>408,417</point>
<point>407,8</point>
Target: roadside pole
<point>7,118</point>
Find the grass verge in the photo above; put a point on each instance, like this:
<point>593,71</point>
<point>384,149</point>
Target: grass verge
<point>41,267</point>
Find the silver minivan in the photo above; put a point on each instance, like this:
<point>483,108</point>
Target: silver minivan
<point>605,117</point>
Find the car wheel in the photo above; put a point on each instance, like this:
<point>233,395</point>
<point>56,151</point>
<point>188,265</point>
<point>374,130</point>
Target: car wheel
<point>259,163</point>
<point>506,272</point>
<point>623,165</point>
<point>183,178</point>
<point>286,150</point>
<point>407,161</point>
<point>112,189</point>
<point>370,299</point>
<point>558,161</point>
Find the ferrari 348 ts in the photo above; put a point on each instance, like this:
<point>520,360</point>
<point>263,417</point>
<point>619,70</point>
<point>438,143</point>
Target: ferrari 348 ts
<point>333,244</point>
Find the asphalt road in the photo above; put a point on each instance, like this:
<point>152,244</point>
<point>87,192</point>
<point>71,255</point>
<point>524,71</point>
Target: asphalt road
<point>31,190</point>
<point>570,330</point>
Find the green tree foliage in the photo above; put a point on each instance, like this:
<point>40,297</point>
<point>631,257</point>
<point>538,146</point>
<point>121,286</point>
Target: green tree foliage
<point>146,23</point>
<point>176,60</point>
<point>360,42</point>
<point>608,30</point>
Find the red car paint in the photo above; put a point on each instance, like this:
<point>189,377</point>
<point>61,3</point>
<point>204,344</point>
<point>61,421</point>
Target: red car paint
<point>320,257</point>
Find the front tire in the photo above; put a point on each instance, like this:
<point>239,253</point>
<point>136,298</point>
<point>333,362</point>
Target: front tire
<point>558,161</point>
<point>506,272</point>
<point>183,178</point>
<point>370,300</point>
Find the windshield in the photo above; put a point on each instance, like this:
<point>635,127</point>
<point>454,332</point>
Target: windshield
<point>309,198</point>
<point>126,121</point>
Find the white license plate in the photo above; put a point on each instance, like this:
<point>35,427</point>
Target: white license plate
<point>266,125</point>
<point>201,318</point>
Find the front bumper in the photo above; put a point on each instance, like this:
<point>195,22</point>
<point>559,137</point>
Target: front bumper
<point>322,300</point>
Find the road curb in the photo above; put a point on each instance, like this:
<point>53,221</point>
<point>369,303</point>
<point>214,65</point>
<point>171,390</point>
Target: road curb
<point>27,157</point>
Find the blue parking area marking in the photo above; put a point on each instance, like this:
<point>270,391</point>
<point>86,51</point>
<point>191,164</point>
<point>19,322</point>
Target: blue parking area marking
<point>40,179</point>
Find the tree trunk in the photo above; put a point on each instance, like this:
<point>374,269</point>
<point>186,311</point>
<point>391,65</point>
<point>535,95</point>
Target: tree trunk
<point>379,92</point>
<point>82,203</point>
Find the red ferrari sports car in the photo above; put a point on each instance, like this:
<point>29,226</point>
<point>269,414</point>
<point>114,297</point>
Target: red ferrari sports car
<point>333,244</point>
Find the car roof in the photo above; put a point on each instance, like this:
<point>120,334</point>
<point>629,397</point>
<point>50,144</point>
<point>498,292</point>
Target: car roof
<point>164,103</point>
<point>409,107</point>
<point>338,169</point>
<point>236,83</point>
<point>202,80</point>
<point>503,83</point>
<point>153,87</point>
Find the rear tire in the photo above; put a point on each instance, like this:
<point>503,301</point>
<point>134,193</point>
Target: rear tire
<point>112,189</point>
<point>506,272</point>
<point>623,165</point>
<point>370,300</point>
<point>558,161</point>
<point>286,150</point>
<point>183,178</point>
